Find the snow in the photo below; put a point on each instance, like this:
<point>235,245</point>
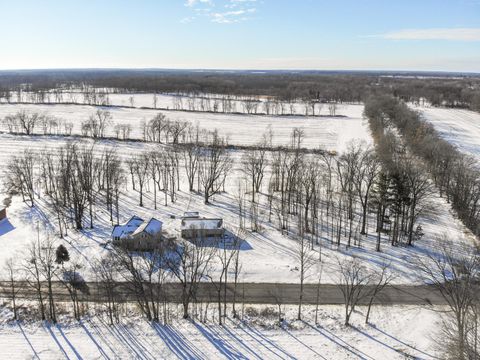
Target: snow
<point>152,227</point>
<point>330,133</point>
<point>127,228</point>
<point>460,127</point>
<point>266,255</point>
<point>200,223</point>
<point>398,332</point>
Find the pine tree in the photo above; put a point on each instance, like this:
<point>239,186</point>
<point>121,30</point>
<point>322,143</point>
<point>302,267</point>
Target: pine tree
<point>62,255</point>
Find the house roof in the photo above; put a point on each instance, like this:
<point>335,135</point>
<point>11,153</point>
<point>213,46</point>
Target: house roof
<point>129,227</point>
<point>191,214</point>
<point>152,227</point>
<point>201,223</point>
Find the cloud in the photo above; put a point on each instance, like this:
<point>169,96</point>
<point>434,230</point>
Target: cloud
<point>229,17</point>
<point>451,34</point>
<point>192,3</point>
<point>233,11</point>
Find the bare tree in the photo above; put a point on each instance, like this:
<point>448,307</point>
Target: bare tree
<point>214,164</point>
<point>352,282</point>
<point>380,279</point>
<point>454,273</point>
<point>254,165</point>
<point>11,269</point>
<point>106,270</point>
<point>21,175</point>
<point>305,258</point>
<point>190,265</point>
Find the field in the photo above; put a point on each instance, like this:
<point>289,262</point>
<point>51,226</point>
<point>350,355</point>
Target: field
<point>460,127</point>
<point>399,332</point>
<point>329,133</point>
<point>267,255</point>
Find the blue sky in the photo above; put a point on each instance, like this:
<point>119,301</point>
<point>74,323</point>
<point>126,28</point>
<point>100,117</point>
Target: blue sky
<point>241,34</point>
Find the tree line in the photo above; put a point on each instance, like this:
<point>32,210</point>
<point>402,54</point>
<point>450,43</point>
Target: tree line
<point>456,90</point>
<point>455,174</point>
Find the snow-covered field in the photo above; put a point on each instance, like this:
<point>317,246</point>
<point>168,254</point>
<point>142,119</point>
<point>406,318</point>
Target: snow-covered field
<point>329,133</point>
<point>398,332</point>
<point>459,127</point>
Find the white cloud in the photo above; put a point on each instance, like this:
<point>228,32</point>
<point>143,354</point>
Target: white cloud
<point>229,17</point>
<point>233,11</point>
<point>192,3</point>
<point>452,34</point>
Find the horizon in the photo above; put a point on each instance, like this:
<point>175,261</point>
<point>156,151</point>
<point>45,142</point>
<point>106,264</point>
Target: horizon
<point>240,35</point>
<point>246,70</point>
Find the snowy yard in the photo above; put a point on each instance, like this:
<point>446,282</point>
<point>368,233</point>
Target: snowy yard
<point>398,332</point>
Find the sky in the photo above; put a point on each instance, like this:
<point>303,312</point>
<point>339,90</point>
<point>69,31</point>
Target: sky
<point>436,35</point>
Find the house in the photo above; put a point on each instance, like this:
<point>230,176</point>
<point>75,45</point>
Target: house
<point>194,226</point>
<point>3,213</point>
<point>138,234</point>
<point>121,232</point>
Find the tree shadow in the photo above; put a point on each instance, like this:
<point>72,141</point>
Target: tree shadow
<point>28,341</point>
<point>6,226</point>
<point>178,344</point>
<point>220,344</point>
<point>338,341</point>
<point>264,341</point>
<point>402,342</point>
<point>91,337</point>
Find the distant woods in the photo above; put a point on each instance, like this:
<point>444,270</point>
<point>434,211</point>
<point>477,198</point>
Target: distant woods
<point>446,90</point>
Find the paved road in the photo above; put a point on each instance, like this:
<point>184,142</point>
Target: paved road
<point>261,293</point>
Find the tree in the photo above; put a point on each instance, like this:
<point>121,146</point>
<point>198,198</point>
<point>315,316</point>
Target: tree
<point>12,277</point>
<point>74,283</point>
<point>380,279</point>
<point>254,165</point>
<point>190,264</point>
<point>61,255</point>
<point>25,121</point>
<point>454,274</point>
<point>367,170</point>
<point>21,175</point>
<point>305,259</point>
<point>106,271</point>
<point>352,282</point>
<point>214,164</point>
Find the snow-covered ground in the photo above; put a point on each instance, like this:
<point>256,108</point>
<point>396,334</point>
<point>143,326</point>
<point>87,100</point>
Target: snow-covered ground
<point>398,332</point>
<point>166,101</point>
<point>266,256</point>
<point>329,133</point>
<point>460,127</point>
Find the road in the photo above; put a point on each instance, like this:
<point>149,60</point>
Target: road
<point>257,293</point>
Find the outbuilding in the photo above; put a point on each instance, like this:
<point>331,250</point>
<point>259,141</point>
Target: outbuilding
<point>193,226</point>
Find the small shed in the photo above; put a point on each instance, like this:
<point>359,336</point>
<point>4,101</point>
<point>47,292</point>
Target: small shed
<point>200,227</point>
<point>3,213</point>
